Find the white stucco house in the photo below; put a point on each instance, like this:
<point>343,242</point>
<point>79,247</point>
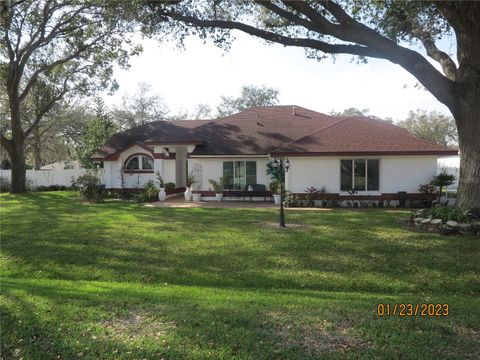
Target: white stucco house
<point>376,158</point>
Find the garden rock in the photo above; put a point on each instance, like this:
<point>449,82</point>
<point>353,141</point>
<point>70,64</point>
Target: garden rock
<point>436,222</point>
<point>464,228</point>
<point>425,221</point>
<point>452,224</point>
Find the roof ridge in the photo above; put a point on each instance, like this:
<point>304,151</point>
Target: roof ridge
<point>313,133</point>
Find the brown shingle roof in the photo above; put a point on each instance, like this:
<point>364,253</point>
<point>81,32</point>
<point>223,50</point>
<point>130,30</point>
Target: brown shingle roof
<point>153,132</point>
<point>361,135</point>
<point>278,130</point>
<point>259,130</point>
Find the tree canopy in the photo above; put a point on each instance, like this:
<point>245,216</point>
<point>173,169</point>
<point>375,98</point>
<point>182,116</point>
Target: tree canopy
<point>55,48</point>
<point>404,33</point>
<point>433,126</point>
<point>250,96</point>
<point>140,108</point>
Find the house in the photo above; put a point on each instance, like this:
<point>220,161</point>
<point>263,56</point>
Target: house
<point>376,158</point>
<point>63,165</point>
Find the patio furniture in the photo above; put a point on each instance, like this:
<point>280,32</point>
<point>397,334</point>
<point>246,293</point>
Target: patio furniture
<point>257,190</point>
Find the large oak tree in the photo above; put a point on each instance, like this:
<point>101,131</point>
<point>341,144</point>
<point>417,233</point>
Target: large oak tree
<point>377,29</point>
<point>54,48</point>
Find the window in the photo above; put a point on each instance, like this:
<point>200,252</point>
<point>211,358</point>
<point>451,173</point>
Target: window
<point>238,174</point>
<point>360,174</point>
<point>139,163</point>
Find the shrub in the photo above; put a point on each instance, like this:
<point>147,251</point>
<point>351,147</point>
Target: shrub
<point>310,198</point>
<point>4,185</point>
<point>170,186</point>
<point>52,188</point>
<point>447,213</point>
<point>149,193</point>
<point>442,180</point>
<point>292,200</point>
<point>89,187</point>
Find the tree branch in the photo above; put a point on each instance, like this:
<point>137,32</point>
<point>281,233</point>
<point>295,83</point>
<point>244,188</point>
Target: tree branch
<point>273,37</point>
<point>6,144</point>
<point>48,107</point>
<point>374,45</point>
<point>448,65</point>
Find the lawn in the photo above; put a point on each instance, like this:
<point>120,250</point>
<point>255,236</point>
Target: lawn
<point>117,280</point>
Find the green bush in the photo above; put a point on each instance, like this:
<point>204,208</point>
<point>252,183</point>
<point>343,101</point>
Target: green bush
<point>89,187</point>
<point>149,193</point>
<point>292,200</point>
<point>447,213</point>
<point>170,186</point>
<point>4,185</point>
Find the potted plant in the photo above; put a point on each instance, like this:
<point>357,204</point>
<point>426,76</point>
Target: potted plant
<point>161,194</point>
<point>196,196</point>
<point>188,184</point>
<point>218,188</point>
<point>275,189</point>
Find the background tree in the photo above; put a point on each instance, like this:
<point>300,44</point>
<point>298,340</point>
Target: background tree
<point>140,108</point>
<point>58,47</point>
<point>96,130</point>
<point>378,29</point>
<point>202,111</point>
<point>351,111</point>
<point>434,127</point>
<point>250,96</point>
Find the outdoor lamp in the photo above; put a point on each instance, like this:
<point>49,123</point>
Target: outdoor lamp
<point>286,164</point>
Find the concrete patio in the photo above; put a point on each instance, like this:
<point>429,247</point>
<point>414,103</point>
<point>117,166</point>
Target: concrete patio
<point>179,202</point>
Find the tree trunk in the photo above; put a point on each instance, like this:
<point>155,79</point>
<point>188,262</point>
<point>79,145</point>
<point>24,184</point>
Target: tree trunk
<point>17,156</point>
<point>467,114</point>
<point>18,167</point>
<point>469,142</point>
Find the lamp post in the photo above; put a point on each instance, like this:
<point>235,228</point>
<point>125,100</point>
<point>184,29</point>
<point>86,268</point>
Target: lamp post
<point>282,167</point>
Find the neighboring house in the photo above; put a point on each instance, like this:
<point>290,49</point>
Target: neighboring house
<point>63,165</point>
<point>374,157</point>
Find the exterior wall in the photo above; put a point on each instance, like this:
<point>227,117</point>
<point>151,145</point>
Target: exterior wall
<point>313,171</point>
<point>397,173</point>
<point>212,168</point>
<point>113,171</point>
<point>406,173</point>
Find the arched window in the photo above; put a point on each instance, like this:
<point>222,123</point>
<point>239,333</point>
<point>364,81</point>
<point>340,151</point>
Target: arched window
<point>140,163</point>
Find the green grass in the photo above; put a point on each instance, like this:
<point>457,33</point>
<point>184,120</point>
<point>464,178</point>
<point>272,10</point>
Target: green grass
<point>120,281</point>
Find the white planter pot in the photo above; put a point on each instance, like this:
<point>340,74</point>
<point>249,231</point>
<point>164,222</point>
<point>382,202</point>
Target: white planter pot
<point>218,197</point>
<point>188,194</point>
<point>161,194</point>
<point>196,197</point>
<point>276,199</point>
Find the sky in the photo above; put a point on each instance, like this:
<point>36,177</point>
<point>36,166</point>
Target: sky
<point>202,73</point>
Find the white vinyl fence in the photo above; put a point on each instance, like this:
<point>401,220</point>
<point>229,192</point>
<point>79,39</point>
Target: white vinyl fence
<point>36,178</point>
